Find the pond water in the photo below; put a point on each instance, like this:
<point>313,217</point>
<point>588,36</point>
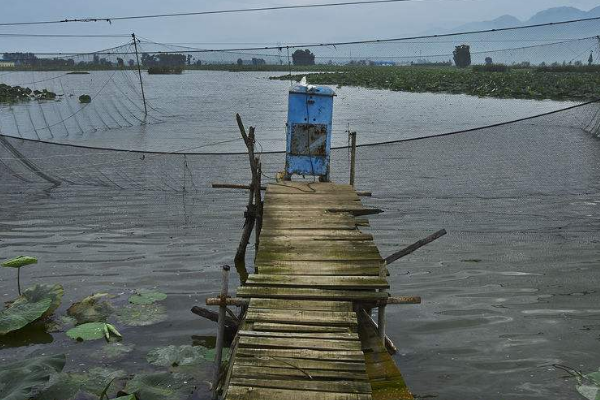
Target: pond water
<point>508,292</point>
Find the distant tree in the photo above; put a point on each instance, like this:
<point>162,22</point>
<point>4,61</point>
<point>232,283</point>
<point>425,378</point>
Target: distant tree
<point>489,61</point>
<point>240,61</point>
<point>189,59</point>
<point>462,56</point>
<point>131,62</point>
<point>591,59</point>
<point>578,63</point>
<point>303,57</point>
<point>120,62</point>
<point>258,61</point>
<point>543,64</point>
<point>21,58</point>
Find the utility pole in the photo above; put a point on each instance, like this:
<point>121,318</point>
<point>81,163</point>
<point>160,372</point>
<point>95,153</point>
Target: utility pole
<point>137,56</point>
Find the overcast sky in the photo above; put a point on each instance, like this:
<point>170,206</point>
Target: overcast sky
<point>313,25</point>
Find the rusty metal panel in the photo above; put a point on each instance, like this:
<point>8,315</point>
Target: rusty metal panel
<point>309,140</point>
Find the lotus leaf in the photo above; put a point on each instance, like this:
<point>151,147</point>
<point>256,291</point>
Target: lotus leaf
<point>19,262</point>
<point>22,380</point>
<point>589,385</point>
<point>95,381</point>
<point>146,297</point>
<point>113,351</point>
<point>179,355</point>
<point>93,331</point>
<point>160,386</point>
<point>36,303</point>
<point>91,309</point>
<point>39,292</point>
<point>142,315</point>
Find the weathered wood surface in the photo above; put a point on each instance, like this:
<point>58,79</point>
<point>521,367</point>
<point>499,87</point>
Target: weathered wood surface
<point>300,336</point>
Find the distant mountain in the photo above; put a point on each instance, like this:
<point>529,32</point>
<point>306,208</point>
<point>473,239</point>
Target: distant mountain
<point>555,14</point>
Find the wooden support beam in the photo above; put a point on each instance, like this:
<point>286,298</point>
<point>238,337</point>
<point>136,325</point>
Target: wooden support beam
<point>218,185</point>
<point>364,194</point>
<point>389,345</point>
<point>415,246</point>
<point>230,323</point>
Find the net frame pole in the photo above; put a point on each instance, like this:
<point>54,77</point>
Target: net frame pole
<point>221,331</point>
<point>137,57</point>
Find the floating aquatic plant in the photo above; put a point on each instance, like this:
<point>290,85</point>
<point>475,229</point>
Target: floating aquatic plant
<point>143,296</point>
<point>160,386</point>
<point>36,303</point>
<point>93,331</point>
<point>17,263</point>
<point>142,315</point>
<point>91,384</point>
<point>24,379</point>
<point>172,356</point>
<point>91,309</point>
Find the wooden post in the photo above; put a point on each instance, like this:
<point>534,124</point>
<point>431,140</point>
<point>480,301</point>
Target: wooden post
<point>254,208</point>
<point>352,157</point>
<point>381,309</point>
<point>221,331</point>
<point>415,246</point>
<point>137,56</point>
<point>258,204</point>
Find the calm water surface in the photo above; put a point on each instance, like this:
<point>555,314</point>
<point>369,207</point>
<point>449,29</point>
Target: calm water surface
<point>508,292</point>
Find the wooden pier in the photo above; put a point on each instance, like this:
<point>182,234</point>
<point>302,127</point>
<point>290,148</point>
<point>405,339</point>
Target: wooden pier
<point>304,334</point>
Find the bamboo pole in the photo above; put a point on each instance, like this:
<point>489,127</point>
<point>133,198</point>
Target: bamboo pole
<point>137,56</point>
<point>221,331</point>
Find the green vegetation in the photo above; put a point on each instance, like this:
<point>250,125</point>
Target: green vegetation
<point>35,304</point>
<point>13,94</point>
<point>78,73</point>
<point>17,263</point>
<point>165,70</point>
<point>85,99</point>
<point>519,83</point>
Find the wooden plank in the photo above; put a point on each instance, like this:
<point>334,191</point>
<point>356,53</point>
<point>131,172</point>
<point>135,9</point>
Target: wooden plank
<point>317,197</point>
<point>315,234</point>
<point>301,304</point>
<point>322,264</point>
<point>309,188</point>
<point>323,271</point>
<point>287,362</point>
<point>310,294</point>
<point>248,393</point>
<point>284,343</point>
<point>321,245</point>
<point>267,256</point>
<point>302,317</point>
<point>306,354</point>
<point>301,335</point>
<point>280,327</point>
<point>330,282</point>
<point>311,386</point>
<point>246,371</point>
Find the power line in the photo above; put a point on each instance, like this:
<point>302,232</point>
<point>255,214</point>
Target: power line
<point>48,35</point>
<point>370,41</point>
<point>231,11</point>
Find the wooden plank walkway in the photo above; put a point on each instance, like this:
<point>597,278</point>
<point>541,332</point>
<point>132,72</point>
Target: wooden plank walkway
<point>301,337</point>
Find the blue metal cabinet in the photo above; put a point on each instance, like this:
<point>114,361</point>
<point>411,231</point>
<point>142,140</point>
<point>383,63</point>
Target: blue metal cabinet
<point>310,114</point>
